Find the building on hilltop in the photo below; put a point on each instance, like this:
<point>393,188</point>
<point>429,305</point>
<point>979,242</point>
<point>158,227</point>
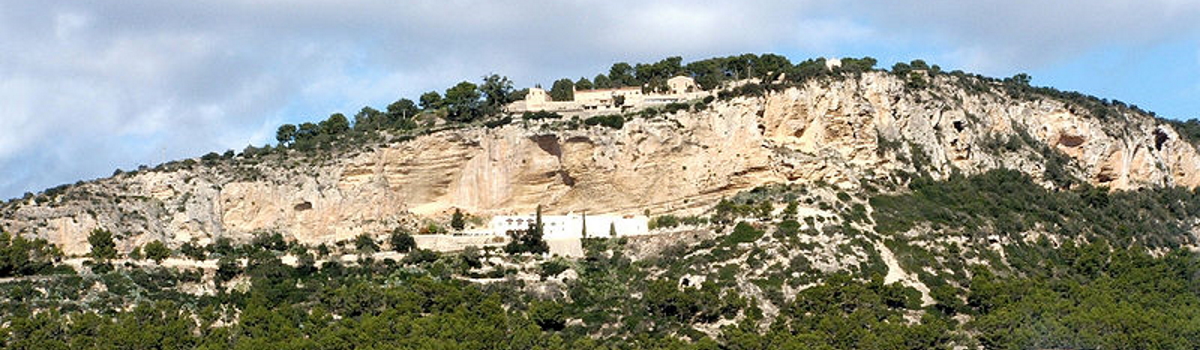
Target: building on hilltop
<point>609,98</point>
<point>679,89</point>
<point>682,85</point>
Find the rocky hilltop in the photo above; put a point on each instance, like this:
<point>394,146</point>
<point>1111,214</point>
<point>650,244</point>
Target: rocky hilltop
<point>844,132</point>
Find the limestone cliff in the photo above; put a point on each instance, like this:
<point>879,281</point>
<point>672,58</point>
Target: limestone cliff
<point>841,132</point>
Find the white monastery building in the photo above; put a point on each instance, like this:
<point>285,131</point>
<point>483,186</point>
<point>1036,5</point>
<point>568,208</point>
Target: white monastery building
<point>679,89</point>
<point>570,225</point>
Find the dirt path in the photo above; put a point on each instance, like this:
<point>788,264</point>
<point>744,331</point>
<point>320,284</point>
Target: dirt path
<point>897,274</point>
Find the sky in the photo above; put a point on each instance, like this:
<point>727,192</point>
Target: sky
<point>87,87</point>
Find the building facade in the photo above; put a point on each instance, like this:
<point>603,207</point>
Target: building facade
<point>680,89</point>
<point>570,225</point>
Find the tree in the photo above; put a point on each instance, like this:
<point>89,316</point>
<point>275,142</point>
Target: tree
<point>1021,79</point>
<point>103,247</point>
<point>401,241</point>
<point>400,113</point>
<point>364,244</point>
<point>227,269</point>
<point>770,66</point>
<point>306,131</point>
<point>462,102</point>
<point>601,82</point>
<point>456,220</point>
<point>621,74</point>
<point>529,240</point>
<point>336,124</point>
<point>285,134</point>
<point>190,250</point>
<point>369,118</point>
<point>470,256</point>
<point>864,64</point>
<point>156,251</point>
<point>430,100</point>
<point>584,84</point>
<point>497,91</point>
<point>563,90</point>
<point>23,257</point>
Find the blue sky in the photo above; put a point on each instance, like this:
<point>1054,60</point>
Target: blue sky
<point>89,87</point>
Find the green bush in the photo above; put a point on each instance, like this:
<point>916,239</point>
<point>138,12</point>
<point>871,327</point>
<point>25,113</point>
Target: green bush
<point>24,257</point>
<point>612,121</point>
<point>743,233</point>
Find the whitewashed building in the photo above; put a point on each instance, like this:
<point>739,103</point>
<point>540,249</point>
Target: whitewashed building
<point>571,225</point>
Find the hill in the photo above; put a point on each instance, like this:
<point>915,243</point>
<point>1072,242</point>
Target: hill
<point>842,129</point>
<point>805,206</point>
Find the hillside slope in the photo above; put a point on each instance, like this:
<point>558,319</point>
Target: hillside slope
<point>873,127</point>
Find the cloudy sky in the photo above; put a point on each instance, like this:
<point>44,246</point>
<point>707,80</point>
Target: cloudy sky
<point>87,87</point>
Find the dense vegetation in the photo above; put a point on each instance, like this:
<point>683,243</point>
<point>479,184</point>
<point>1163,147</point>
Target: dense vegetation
<point>25,257</point>
<point>1087,280</point>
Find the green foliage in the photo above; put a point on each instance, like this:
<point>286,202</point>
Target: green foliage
<point>227,269</point>
<point>285,134</point>
<point>103,247</point>
<point>497,91</point>
<point>462,103</point>
<point>1116,299</point>
<point>621,74</point>
<point>457,220</point>
<point>402,241</point>
<point>336,124</point>
<point>1007,202</point>
<point>562,90</point>
<point>430,100</point>
<point>529,240</point>
<point>24,257</point>
<point>613,121</point>
<point>1188,129</point>
<point>743,233</point>
<point>268,241</point>
<point>156,251</point>
<point>365,244</point>
<point>540,115</point>
<point>553,268</point>
<point>420,256</point>
<point>192,251</point>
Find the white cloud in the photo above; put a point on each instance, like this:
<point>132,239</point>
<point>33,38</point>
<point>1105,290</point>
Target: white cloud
<point>1006,33</point>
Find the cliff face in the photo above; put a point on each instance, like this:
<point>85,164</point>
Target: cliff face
<point>838,132</point>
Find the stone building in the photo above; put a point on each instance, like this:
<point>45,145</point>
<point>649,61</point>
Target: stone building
<point>680,89</point>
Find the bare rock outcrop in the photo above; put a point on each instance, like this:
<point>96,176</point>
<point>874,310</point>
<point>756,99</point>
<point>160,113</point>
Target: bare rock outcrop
<point>838,131</point>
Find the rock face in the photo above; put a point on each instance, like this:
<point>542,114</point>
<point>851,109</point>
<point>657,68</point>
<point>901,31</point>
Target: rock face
<point>838,132</point>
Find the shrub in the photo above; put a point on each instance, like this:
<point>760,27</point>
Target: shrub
<point>23,257</point>
<point>364,244</point>
<point>402,241</point>
<point>420,256</point>
<point>612,121</point>
<point>156,251</point>
<point>553,268</point>
<point>103,247</point>
<point>541,115</point>
<point>743,233</point>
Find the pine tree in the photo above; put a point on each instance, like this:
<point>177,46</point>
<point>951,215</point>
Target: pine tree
<point>457,221</point>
